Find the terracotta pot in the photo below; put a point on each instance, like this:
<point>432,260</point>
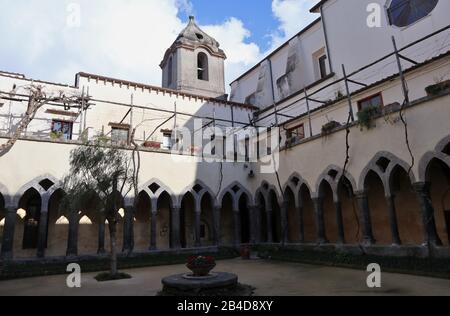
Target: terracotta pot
<point>201,271</point>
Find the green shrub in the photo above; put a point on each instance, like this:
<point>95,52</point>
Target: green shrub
<point>366,116</point>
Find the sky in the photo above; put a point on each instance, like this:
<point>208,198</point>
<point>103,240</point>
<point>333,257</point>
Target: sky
<point>53,40</point>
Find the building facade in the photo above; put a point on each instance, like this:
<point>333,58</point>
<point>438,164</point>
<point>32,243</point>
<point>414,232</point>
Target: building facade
<point>362,159</point>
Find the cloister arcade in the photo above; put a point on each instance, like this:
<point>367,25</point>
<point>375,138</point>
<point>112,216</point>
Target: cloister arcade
<point>386,204</point>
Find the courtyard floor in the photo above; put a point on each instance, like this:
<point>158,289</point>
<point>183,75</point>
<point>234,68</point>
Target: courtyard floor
<point>269,278</point>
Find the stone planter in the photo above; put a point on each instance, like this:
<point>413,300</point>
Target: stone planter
<point>201,270</point>
<point>438,88</point>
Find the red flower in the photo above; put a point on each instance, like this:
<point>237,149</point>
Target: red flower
<point>201,260</point>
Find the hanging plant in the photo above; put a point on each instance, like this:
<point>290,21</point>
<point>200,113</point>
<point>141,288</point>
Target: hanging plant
<point>366,116</point>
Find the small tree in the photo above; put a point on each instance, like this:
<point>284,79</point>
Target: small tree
<point>100,175</point>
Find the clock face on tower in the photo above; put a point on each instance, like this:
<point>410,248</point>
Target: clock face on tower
<point>406,12</point>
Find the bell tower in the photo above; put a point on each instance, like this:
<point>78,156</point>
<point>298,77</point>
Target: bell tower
<point>195,64</point>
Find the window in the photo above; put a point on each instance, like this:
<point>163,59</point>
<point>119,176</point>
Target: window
<point>119,135</point>
<point>375,101</point>
<point>202,66</point>
<point>296,133</point>
<point>62,129</point>
<point>323,66</point>
<point>247,149</point>
<point>406,12</point>
<point>169,72</point>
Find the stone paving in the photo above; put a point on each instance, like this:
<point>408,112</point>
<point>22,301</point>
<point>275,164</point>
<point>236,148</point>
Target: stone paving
<point>269,278</point>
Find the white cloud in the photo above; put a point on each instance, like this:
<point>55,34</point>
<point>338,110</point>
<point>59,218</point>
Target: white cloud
<point>121,38</point>
<point>232,36</point>
<point>292,15</point>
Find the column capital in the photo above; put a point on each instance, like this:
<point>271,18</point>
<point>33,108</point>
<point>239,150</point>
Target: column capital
<point>361,194</point>
<point>420,187</point>
<point>10,209</point>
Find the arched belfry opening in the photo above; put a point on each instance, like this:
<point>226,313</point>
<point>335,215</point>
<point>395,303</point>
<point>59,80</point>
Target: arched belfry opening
<point>202,67</point>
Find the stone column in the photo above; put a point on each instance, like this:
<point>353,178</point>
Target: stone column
<point>366,222</point>
<point>198,216</point>
<point>269,215</point>
<point>284,238</point>
<point>128,229</point>
<point>301,215</point>
<point>72,240</point>
<point>340,222</point>
<point>153,232</point>
<point>175,228</point>
<point>258,223</point>
<point>101,235</point>
<point>42,234</point>
<point>8,233</point>
<point>216,225</point>
<point>253,211</point>
<point>390,200</point>
<point>237,228</point>
<point>320,221</point>
<point>431,236</point>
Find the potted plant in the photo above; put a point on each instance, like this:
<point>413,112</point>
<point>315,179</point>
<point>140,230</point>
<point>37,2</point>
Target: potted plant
<point>201,265</point>
<point>56,135</point>
<point>329,127</point>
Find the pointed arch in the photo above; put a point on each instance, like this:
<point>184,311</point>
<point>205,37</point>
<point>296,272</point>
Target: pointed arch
<point>295,182</point>
<point>197,189</point>
<point>227,218</point>
<point>57,228</point>
<point>236,190</point>
<point>409,212</point>
<point>333,175</point>
<point>438,178</point>
<point>382,164</point>
<point>142,222</point>
<point>444,145</point>
<point>425,162</point>
<point>44,189</point>
<point>154,188</point>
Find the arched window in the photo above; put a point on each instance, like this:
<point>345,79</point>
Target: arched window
<point>169,72</point>
<point>406,12</point>
<point>202,66</point>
